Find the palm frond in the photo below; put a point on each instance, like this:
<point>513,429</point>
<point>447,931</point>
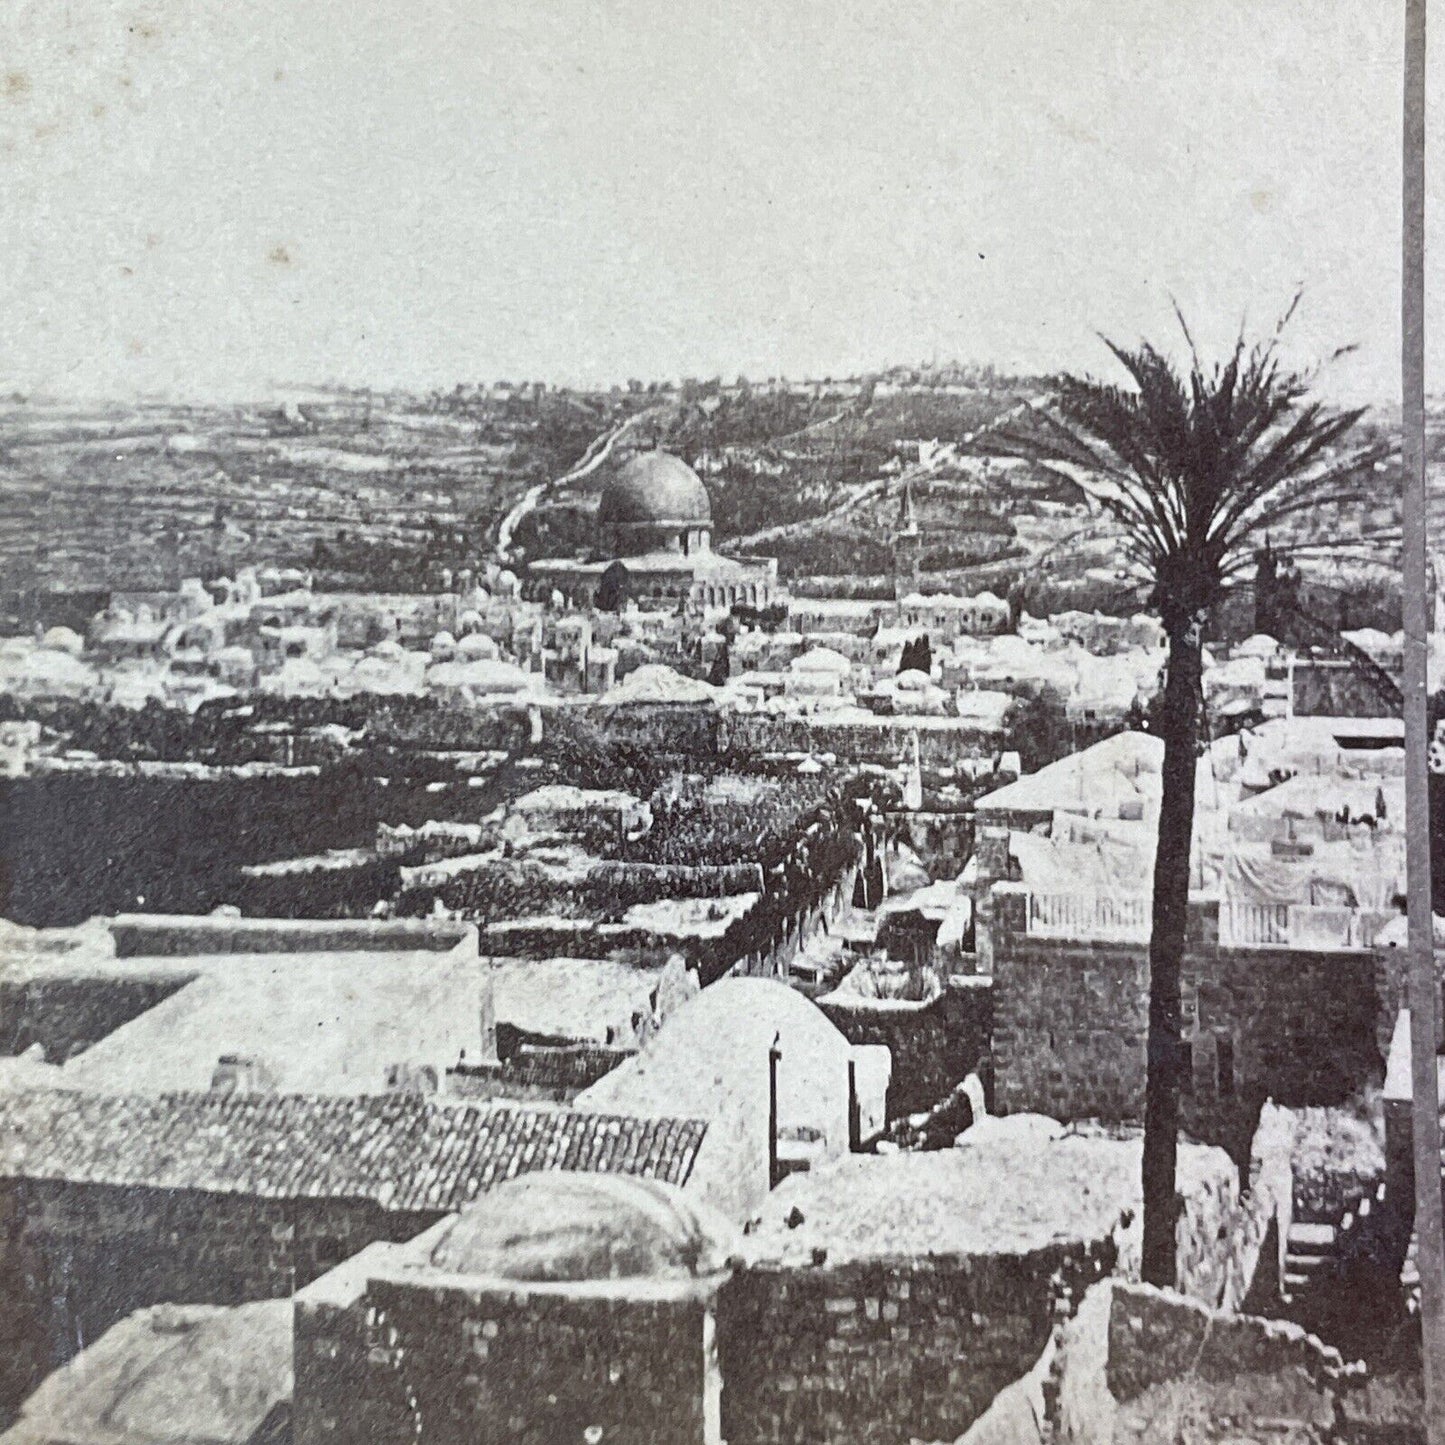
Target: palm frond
<point>1195,463</point>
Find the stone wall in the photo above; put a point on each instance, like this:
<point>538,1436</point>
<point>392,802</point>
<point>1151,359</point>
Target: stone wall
<point>74,1259</point>
<point>537,1072</point>
<point>887,741</point>
<point>666,728</point>
<point>1071,1019</point>
<point>454,1362</point>
<point>501,887</point>
<point>846,1352</point>
<point>65,1015</point>
<point>1392,983</point>
<point>883,1351</point>
<point>935,1045</point>
<point>180,935</point>
<point>1140,1363</point>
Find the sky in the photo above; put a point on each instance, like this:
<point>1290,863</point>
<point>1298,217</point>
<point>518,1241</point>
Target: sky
<point>209,199</point>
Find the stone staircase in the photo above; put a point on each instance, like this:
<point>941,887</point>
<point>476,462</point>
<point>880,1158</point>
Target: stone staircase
<point>1343,1279</point>
<point>1310,1260</point>
<point>1317,1251</point>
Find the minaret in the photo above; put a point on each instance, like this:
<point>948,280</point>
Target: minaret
<point>907,546</point>
<point>913,780</point>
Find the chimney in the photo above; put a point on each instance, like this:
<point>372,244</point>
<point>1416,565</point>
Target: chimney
<point>487,1016</point>
<point>241,1074</point>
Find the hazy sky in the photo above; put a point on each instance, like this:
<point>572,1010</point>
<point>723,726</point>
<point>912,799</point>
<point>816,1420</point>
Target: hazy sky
<point>205,197</point>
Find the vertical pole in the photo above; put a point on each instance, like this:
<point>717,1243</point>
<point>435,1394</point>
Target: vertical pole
<point>774,1175</point>
<point>855,1114</point>
<point>1429,1230</point>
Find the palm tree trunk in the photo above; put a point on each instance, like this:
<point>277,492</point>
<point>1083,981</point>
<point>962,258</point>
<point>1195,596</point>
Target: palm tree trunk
<point>1179,729</point>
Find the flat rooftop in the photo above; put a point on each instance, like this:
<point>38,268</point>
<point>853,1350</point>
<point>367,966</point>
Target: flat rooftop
<point>574,998</point>
<point>322,1023</point>
<point>1011,1191</point>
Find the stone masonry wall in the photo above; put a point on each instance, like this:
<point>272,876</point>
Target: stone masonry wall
<point>1392,983</point>
<point>461,1364</point>
<point>1181,1373</point>
<point>66,1015</point>
<point>935,1045</point>
<point>157,935</point>
<point>883,1351</point>
<point>74,1259</point>
<point>882,741</point>
<point>1071,1020</point>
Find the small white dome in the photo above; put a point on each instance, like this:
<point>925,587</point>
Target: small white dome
<point>62,639</point>
<point>475,646</point>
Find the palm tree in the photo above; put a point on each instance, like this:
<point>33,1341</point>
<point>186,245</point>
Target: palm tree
<point>1195,466</point>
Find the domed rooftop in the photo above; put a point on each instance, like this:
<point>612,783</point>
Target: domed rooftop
<point>556,1226</point>
<point>63,639</point>
<point>654,489</point>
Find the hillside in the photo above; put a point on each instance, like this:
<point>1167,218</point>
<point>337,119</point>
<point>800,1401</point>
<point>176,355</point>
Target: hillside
<point>378,491</point>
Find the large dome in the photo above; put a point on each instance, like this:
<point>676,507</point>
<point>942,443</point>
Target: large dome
<point>654,489</point>
<point>558,1226</point>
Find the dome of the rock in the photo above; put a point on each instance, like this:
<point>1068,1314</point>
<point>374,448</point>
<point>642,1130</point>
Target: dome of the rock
<point>654,489</point>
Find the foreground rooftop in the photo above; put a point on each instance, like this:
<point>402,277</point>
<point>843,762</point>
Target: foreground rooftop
<point>1010,1186</point>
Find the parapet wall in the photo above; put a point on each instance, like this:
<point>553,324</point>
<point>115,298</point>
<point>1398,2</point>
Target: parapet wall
<point>857,1353</point>
<point>140,935</point>
<point>454,1362</point>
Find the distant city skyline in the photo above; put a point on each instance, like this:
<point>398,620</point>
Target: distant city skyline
<point>210,201</point>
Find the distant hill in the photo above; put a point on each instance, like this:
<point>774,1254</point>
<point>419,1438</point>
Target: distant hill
<point>382,491</point>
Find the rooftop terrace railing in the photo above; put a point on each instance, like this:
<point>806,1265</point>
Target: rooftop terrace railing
<point>1122,918</point>
<point>1298,925</point>
<point>1126,918</point>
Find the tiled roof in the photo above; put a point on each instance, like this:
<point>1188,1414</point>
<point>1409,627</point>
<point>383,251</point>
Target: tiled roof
<point>404,1152</point>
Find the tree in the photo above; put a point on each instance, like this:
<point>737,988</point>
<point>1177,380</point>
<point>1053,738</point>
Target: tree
<point>721,668</point>
<point>917,655</point>
<point>1195,466</point>
<point>613,589</point>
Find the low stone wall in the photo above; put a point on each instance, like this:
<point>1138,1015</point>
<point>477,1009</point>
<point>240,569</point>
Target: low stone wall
<point>165,935</point>
<point>349,889</point>
<point>883,1351</point>
<point>499,887</point>
<point>941,742</point>
<point>935,1045</point>
<point>1227,1242</point>
<point>1141,1363</point>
